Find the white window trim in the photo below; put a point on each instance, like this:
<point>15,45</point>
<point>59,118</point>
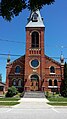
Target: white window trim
<point>54,68</point>
<point>15,68</point>
<point>32,66</point>
<point>52,86</point>
<point>52,73</point>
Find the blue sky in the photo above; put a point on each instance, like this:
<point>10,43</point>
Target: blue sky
<point>55,20</point>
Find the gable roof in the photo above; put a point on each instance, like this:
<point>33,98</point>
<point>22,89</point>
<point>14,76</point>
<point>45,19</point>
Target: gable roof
<point>2,84</point>
<point>49,58</point>
<point>20,58</point>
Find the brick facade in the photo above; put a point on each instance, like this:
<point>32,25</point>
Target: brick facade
<point>41,77</point>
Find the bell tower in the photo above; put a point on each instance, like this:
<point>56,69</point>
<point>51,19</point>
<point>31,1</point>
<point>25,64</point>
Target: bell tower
<point>34,52</point>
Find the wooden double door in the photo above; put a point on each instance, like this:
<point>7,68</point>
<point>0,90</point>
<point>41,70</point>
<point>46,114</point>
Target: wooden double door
<point>34,83</point>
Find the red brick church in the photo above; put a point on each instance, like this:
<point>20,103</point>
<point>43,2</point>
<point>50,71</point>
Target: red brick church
<point>35,71</point>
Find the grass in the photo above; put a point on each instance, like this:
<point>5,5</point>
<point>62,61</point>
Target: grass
<point>9,99</point>
<point>57,104</point>
<point>57,101</point>
<point>8,103</point>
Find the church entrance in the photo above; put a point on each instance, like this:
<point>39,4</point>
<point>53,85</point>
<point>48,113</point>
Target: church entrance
<point>34,82</point>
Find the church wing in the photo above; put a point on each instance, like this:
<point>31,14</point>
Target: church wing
<point>15,73</point>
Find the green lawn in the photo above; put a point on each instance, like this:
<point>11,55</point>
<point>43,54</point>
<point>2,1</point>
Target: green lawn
<point>57,104</point>
<point>57,101</point>
<point>9,99</point>
<point>8,103</point>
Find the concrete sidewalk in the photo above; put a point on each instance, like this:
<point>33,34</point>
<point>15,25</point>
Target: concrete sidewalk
<point>33,103</point>
<point>34,100</point>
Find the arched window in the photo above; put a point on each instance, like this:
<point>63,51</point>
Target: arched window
<point>52,69</point>
<point>14,82</point>
<point>50,82</point>
<point>17,69</point>
<point>35,40</point>
<point>19,82</point>
<point>55,82</point>
<point>34,77</point>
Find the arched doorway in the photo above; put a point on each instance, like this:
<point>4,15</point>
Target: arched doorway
<point>34,82</point>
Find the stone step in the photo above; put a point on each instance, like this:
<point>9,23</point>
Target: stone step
<point>35,94</point>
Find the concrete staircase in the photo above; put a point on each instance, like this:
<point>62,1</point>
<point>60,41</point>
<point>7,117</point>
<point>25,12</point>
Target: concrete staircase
<point>34,94</point>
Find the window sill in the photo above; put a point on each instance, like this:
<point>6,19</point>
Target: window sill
<point>53,73</point>
<point>52,86</point>
<point>17,73</point>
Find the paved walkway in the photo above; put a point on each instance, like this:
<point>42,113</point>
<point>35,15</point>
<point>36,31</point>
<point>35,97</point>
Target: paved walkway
<point>35,103</point>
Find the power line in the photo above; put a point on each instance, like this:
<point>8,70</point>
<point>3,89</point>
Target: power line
<point>11,41</point>
<point>10,55</point>
<point>29,43</point>
<point>18,55</point>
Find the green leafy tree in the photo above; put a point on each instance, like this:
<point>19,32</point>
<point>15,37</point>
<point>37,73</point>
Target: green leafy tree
<point>64,82</point>
<point>11,92</point>
<point>38,4</point>
<point>11,8</point>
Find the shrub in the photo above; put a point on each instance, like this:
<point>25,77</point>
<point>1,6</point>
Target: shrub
<point>11,92</point>
<point>47,94</point>
<point>22,94</point>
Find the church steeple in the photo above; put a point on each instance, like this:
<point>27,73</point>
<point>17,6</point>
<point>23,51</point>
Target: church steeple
<point>35,34</point>
<point>34,50</point>
<point>35,19</point>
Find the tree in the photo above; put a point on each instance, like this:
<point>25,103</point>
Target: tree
<point>38,4</point>
<point>64,82</point>
<point>11,8</point>
<point>11,92</point>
